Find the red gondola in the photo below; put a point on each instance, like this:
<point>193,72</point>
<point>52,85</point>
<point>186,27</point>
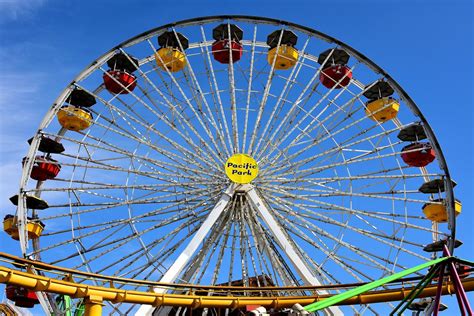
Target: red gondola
<point>119,78</point>
<point>220,50</point>
<point>418,154</point>
<point>332,75</point>
<point>122,82</point>
<point>335,68</point>
<point>44,169</point>
<point>21,296</point>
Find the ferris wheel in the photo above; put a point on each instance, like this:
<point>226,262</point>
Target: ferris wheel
<point>234,150</point>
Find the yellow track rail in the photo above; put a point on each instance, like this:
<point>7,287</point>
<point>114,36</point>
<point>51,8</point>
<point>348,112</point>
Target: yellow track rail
<point>95,294</point>
<point>197,295</point>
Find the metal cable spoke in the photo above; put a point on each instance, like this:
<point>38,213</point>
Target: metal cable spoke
<point>222,128</point>
<point>309,114</point>
<point>264,99</point>
<point>188,203</point>
<point>330,206</point>
<point>341,146</point>
<point>147,126</point>
<point>290,82</point>
<point>312,170</point>
<point>178,164</point>
<point>359,251</point>
<point>315,193</point>
<point>211,151</point>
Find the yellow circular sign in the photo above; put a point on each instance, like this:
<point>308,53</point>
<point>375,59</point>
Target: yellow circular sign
<point>241,168</point>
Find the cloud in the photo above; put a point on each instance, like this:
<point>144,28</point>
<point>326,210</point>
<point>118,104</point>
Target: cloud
<point>16,9</point>
<point>19,96</point>
<point>19,87</point>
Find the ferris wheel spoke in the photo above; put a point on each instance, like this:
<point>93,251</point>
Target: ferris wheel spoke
<point>308,114</point>
<point>303,223</point>
<point>180,152</point>
<point>233,105</point>
<point>219,107</point>
<point>219,120</point>
<point>183,259</point>
<point>337,149</point>
<point>243,245</point>
<point>247,239</point>
<point>175,163</point>
<point>222,251</point>
<point>332,255</point>
<point>313,170</point>
<point>346,145</point>
<point>158,187</point>
<point>355,123</point>
<point>233,246</point>
<point>211,151</point>
<point>148,142</point>
<point>108,226</point>
<point>171,249</point>
<point>387,217</point>
<point>309,127</point>
<point>203,98</point>
<point>198,277</point>
<point>190,200</point>
<point>353,178</point>
<point>309,193</point>
<point>292,113</point>
<point>269,257</point>
<point>289,84</point>
<point>169,104</point>
<point>298,100</point>
<point>111,201</point>
<point>372,259</point>
<point>249,89</point>
<point>392,241</point>
<point>183,132</point>
<point>256,237</point>
<point>194,218</point>
<point>154,174</point>
<point>263,102</point>
<point>138,140</point>
<point>116,243</point>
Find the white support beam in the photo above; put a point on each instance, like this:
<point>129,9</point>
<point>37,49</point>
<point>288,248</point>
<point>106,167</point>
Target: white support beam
<point>282,240</point>
<point>183,259</point>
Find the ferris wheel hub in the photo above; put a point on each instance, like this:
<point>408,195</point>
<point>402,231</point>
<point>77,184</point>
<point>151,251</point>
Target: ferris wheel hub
<point>241,168</point>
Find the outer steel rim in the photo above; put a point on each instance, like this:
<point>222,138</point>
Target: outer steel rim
<point>196,21</point>
<point>360,56</point>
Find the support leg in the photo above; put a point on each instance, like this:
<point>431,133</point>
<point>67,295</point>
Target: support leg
<point>184,258</point>
<point>94,306</point>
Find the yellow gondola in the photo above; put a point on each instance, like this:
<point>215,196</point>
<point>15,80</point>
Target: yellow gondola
<point>74,118</point>
<point>34,227</point>
<point>170,58</point>
<point>437,212</point>
<point>286,57</point>
<point>382,110</point>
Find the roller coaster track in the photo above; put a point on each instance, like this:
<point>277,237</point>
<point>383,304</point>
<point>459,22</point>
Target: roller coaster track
<point>69,282</point>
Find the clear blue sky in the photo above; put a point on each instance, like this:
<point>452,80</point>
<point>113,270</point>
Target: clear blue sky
<point>427,46</point>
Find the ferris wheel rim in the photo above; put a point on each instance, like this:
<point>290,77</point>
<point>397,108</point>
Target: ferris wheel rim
<point>206,19</point>
<point>155,31</point>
